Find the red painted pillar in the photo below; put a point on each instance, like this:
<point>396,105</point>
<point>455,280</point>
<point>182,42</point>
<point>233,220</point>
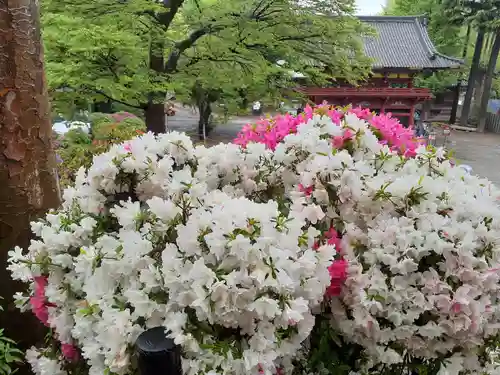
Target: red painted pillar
<point>412,113</point>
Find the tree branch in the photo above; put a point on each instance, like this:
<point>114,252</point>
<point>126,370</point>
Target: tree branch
<point>180,47</point>
<point>173,6</point>
<point>298,38</point>
<point>257,13</point>
<point>115,100</point>
<point>183,45</point>
<point>195,60</point>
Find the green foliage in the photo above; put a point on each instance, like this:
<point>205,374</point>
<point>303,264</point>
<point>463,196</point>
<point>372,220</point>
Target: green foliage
<point>77,148</point>
<point>447,37</point>
<point>484,13</point>
<point>137,50</point>
<point>438,81</point>
<point>448,20</point>
<point>329,353</point>
<point>9,354</point>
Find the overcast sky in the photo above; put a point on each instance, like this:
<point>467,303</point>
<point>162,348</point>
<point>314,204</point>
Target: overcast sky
<point>369,7</point>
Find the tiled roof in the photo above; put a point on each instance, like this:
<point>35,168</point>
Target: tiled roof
<point>403,42</point>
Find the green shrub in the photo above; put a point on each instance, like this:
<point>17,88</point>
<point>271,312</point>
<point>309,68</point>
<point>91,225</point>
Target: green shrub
<point>9,353</point>
<point>77,148</point>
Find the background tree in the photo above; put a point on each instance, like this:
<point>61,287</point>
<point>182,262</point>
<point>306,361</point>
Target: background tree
<point>447,37</point>
<point>491,12</point>
<point>465,12</point>
<point>152,44</point>
<point>474,76</point>
<point>452,24</point>
<point>27,164</point>
<point>212,75</point>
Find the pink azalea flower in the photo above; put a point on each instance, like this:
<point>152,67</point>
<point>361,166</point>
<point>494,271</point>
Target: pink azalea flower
<point>456,307</point>
<point>389,130</point>
<point>338,275</point>
<point>334,239</point>
<point>338,141</point>
<point>38,302</point>
<point>69,352</point>
<point>306,190</point>
<point>40,310</point>
<point>362,113</point>
<point>41,283</point>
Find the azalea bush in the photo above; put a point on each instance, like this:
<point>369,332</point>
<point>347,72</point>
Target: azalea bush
<point>333,242</point>
<point>77,147</point>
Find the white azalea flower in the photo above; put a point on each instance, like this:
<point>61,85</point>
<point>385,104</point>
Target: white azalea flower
<point>231,250</point>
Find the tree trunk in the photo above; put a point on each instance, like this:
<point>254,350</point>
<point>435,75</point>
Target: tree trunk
<point>205,110</point>
<point>464,118</point>
<point>486,48</point>
<point>478,92</point>
<point>155,108</point>
<point>104,107</point>
<point>483,108</point>
<point>155,117</point>
<point>201,127</point>
<point>467,40</point>
<point>202,120</point>
<point>454,107</point>
<point>207,114</point>
<point>28,185</point>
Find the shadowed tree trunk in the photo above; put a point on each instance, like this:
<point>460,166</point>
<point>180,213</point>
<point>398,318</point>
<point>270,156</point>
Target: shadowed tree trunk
<point>204,99</point>
<point>467,41</point>
<point>155,117</point>
<point>458,87</point>
<point>28,186</point>
<point>478,92</point>
<point>202,124</point>
<point>154,111</point>
<point>204,111</point>
<point>483,108</point>
<point>476,59</point>
<point>104,107</point>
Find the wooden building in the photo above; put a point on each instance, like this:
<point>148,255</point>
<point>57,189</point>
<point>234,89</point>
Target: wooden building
<point>401,50</point>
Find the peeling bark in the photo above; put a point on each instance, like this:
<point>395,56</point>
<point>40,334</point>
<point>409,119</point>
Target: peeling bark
<point>28,186</point>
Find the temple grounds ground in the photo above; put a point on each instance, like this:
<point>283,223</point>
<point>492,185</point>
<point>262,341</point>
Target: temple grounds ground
<point>480,151</point>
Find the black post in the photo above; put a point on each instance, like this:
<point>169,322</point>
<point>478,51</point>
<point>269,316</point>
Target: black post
<point>157,354</point>
<point>454,106</point>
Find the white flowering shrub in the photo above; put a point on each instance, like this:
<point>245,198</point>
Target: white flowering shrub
<point>333,251</point>
<point>423,276</point>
